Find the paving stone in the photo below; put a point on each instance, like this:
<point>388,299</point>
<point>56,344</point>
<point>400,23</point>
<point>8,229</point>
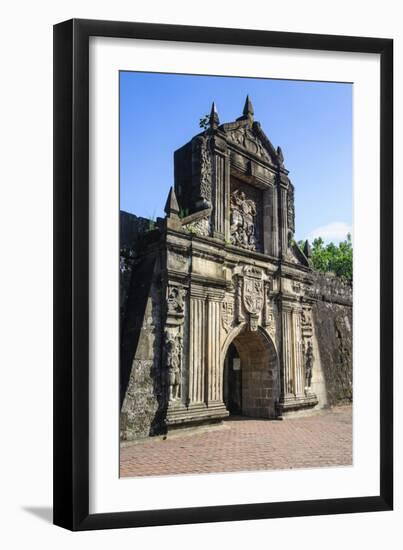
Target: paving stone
<point>245,444</point>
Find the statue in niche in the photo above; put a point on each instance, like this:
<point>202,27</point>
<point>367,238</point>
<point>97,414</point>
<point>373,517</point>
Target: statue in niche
<point>243,221</point>
<point>173,345</point>
<point>308,364</point>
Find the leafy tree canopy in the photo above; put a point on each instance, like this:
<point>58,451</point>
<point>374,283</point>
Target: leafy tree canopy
<point>332,258</point>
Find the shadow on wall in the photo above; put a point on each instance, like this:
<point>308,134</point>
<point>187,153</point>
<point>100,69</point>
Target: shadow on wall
<point>132,324</point>
<point>333,325</point>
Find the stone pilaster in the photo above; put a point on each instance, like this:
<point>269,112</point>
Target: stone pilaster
<point>293,395</point>
<point>227,191</point>
<point>299,376</point>
<point>287,352</point>
<point>270,222</point>
<point>274,227</point>
<point>214,391</point>
<point>196,350</point>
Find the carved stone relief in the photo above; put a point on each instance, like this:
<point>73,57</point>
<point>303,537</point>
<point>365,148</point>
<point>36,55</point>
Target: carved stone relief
<point>243,221</point>
<point>308,364</point>
<point>297,287</point>
<point>173,351</point>
<point>269,319</point>
<point>173,339</point>
<point>291,209</point>
<point>175,300</point>
<point>307,347</point>
<point>246,139</point>
<point>227,314</point>
<point>253,295</point>
<point>202,154</point>
<point>200,227</point>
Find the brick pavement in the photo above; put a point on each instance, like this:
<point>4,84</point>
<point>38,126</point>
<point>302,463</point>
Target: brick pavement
<point>240,444</point>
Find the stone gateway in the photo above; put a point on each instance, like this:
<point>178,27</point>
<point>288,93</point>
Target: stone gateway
<point>219,306</point>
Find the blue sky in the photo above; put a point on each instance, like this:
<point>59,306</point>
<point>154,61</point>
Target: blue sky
<point>311,121</point>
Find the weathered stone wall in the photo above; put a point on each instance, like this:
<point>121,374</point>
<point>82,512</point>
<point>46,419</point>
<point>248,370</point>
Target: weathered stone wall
<point>140,330</point>
<point>141,382</point>
<point>333,322</point>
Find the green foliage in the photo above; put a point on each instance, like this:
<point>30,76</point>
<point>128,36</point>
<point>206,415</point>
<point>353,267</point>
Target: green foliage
<point>152,224</point>
<point>191,229</point>
<point>332,258</point>
<point>204,122</point>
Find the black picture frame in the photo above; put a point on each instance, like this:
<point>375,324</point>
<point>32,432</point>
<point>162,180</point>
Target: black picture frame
<point>71,274</point>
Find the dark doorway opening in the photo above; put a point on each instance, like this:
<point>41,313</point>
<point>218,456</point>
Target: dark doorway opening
<point>233,381</point>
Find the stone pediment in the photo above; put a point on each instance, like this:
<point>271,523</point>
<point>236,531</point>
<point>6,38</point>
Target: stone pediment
<point>252,140</point>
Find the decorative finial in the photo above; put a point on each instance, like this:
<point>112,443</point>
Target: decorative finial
<point>280,156</point>
<point>248,108</point>
<point>171,207</point>
<point>307,249</point>
<point>214,121</point>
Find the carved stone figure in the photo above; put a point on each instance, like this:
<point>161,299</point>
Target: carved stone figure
<point>243,221</point>
<point>173,347</point>
<point>308,364</point>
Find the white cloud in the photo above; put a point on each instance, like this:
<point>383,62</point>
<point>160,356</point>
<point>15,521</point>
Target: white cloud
<point>335,231</point>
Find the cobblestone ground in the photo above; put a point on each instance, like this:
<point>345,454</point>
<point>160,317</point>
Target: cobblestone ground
<point>241,444</point>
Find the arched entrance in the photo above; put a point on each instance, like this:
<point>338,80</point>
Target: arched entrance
<point>251,381</point>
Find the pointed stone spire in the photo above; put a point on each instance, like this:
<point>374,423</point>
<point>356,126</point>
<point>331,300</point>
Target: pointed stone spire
<point>171,207</point>
<point>214,121</point>
<point>248,108</point>
<point>307,249</point>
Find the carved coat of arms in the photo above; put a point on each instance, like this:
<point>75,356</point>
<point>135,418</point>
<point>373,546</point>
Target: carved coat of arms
<point>253,295</point>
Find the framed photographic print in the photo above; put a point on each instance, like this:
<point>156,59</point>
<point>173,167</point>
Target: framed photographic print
<point>223,274</point>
